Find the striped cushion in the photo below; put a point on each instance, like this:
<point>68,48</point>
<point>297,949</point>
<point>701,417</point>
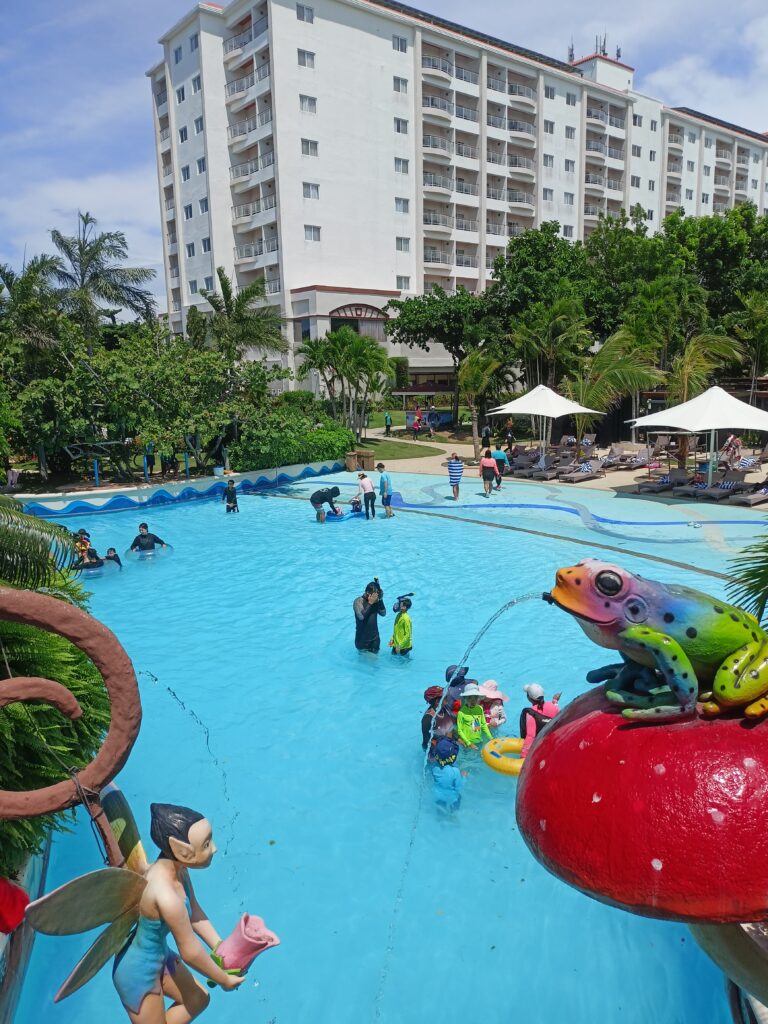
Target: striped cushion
<point>586,467</point>
<point>663,479</point>
<point>748,462</point>
<point>727,485</point>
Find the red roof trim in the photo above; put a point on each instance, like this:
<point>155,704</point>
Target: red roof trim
<point>601,56</point>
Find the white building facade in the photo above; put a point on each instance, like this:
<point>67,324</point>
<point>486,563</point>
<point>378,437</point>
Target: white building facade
<point>349,152</point>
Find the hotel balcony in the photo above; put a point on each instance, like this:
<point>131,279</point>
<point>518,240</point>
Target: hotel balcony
<point>467,76</point>
<point>724,157</point>
<point>170,209</point>
<point>674,199</point>
<point>742,159</point>
<point>437,108</point>
<point>273,286</point>
<point>597,150</point>
<point>242,91</point>
<point>675,167</point>
<point>464,259</point>
<point>469,115</point>
<point>597,118</point>
<point>676,139</point>
<point>437,68</point>
<point>249,215</point>
<point>521,166</point>
<point>242,134</point>
<point>437,223</point>
<point>256,250</point>
<point>438,183</point>
<point>723,183</point>
<point>165,139</point>
<point>171,242</point>
<point>615,185</point>
<point>466,224</point>
<point>720,207</point>
<point>439,261</point>
<point>617,121</point>
<point>467,189</point>
<point>616,153</point>
<point>439,148</point>
<point>244,176</point>
<point>161,103</point>
<point>524,202</point>
<point>521,96</point>
<point>594,182</point>
<point>238,48</point>
<point>741,186</point>
<point>467,152</point>
<point>591,212</point>
<point>523,131</point>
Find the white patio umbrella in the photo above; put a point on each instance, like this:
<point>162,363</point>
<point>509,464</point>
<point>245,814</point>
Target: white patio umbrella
<point>543,402</point>
<point>714,410</point>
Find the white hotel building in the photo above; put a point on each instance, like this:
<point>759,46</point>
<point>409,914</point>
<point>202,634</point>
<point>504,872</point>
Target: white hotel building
<point>354,151</point>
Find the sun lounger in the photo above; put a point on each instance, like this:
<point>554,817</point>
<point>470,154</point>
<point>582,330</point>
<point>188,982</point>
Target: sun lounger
<point>584,472</point>
<point>725,488</point>
<point>749,498</point>
<point>546,462</point>
<point>675,478</point>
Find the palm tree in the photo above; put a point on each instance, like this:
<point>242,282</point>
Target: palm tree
<point>244,319</point>
<point>548,336</point>
<point>90,273</point>
<point>748,586</point>
<point>27,310</point>
<point>751,329</point>
<point>365,365</point>
<point>475,375</point>
<point>315,354</point>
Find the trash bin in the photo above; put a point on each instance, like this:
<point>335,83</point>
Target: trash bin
<point>365,458</point>
<point>351,461</point>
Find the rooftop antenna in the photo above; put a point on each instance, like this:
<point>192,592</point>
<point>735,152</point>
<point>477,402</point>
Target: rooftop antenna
<point>597,44</point>
<point>618,53</point>
<point>604,46</point>
<point>571,52</point>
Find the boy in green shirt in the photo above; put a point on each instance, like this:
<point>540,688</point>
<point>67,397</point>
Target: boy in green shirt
<point>402,631</point>
<point>471,725</point>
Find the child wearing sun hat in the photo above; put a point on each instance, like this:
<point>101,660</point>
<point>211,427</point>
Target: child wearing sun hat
<point>471,725</point>
<point>446,777</point>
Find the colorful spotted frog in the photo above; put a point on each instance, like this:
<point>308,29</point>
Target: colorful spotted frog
<point>677,644</point>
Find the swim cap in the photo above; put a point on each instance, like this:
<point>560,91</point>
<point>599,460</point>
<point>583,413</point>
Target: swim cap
<point>433,693</point>
<point>534,691</point>
<point>459,672</point>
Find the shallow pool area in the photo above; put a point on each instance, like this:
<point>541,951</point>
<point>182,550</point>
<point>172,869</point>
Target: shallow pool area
<point>306,755</point>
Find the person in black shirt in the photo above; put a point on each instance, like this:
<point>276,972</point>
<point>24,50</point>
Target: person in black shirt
<point>230,496</point>
<point>319,498</point>
<point>367,608</point>
<point>146,541</point>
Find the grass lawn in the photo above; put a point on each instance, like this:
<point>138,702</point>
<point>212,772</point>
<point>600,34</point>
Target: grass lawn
<point>384,449</point>
<point>376,419</point>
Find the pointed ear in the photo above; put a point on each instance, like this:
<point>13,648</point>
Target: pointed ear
<point>182,852</point>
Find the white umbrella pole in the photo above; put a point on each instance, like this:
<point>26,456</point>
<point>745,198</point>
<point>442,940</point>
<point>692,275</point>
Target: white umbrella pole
<point>711,457</point>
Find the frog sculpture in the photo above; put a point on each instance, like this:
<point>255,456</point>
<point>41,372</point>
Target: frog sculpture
<point>682,650</point>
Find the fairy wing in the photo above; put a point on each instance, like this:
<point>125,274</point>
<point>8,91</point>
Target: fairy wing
<point>107,945</point>
<point>100,897</point>
<point>123,825</point>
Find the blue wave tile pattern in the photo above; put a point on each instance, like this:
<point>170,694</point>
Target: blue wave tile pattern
<point>122,503</point>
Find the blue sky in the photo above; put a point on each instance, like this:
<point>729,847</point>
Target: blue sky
<point>76,118</point>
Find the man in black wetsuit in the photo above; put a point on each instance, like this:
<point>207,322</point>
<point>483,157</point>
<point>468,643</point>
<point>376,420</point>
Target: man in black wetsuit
<point>146,541</point>
<point>319,498</point>
<point>367,609</point>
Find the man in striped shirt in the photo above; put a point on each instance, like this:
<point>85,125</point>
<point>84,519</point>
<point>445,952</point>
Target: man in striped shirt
<point>455,473</point>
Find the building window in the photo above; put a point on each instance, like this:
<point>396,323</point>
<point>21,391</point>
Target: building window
<point>654,126</point>
<point>311,233</point>
<point>193,286</point>
<point>188,211</point>
<point>401,205</point>
<point>185,172</point>
<point>754,183</point>
<point>308,104</point>
<point>308,147</point>
<point>201,165</point>
<point>206,244</point>
<point>649,214</point>
<point>401,165</point>
<point>306,59</point>
<point>570,132</point>
<point>203,204</point>
<point>570,166</point>
<point>197,83</point>
<point>755,158</point>
<point>689,165</point>
<point>705,197</point>
<point>402,244</point>
<point>310,190</point>
<point>194,42</point>
<point>209,284</point>
<point>548,194</point>
<point>549,127</point>
<point>180,94</point>
<point>400,84</point>
<point>183,134</point>
<point>635,181</point>
<point>400,43</point>
<point>691,136</point>
<point>190,249</point>
<point>177,55</point>
<point>652,155</point>
<point>707,170</point>
<point>567,231</point>
<point>689,193</point>
<point>401,126</point>
<point>651,185</point>
<point>568,198</point>
<point>549,160</point>
<point>549,92</point>
<point>637,120</point>
<point>570,99</point>
<point>403,283</point>
<point>637,151</point>
<point>707,142</point>
<point>198,125</point>
<point>304,13</point>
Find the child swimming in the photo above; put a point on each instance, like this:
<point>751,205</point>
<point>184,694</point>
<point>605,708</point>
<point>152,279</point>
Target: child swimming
<point>402,631</point>
<point>447,781</point>
<point>471,725</point>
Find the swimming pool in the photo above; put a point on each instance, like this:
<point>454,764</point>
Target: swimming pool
<point>308,761</point>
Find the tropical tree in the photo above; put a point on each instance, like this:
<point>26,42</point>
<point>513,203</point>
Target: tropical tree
<point>748,584</point>
<point>93,283</point>
<point>244,319</point>
<point>751,328</point>
<point>316,354</point>
<point>475,375</point>
<point>549,336</point>
<point>28,317</point>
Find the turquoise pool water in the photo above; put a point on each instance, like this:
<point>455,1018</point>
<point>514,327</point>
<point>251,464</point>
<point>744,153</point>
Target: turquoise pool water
<point>309,762</point>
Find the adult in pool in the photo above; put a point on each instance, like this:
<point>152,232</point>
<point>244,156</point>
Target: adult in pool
<point>146,541</point>
<point>230,497</point>
<point>367,609</point>
<point>537,716</point>
<point>320,498</point>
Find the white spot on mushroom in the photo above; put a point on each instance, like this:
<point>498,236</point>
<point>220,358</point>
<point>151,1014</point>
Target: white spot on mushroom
<point>749,762</point>
<point>542,762</point>
<point>583,745</point>
<point>717,816</point>
<point>656,864</point>
<point>659,769</point>
<point>622,762</point>
<point>596,798</point>
<point>543,824</point>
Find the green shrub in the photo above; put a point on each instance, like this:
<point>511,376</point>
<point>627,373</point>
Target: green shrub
<point>402,371</point>
<point>304,401</point>
<point>285,438</point>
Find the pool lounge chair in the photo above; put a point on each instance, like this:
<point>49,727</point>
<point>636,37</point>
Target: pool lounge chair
<point>675,478</point>
<point>524,466</point>
<point>749,498</point>
<point>546,462</point>
<point>584,472</point>
<point>732,481</point>
<point>613,459</point>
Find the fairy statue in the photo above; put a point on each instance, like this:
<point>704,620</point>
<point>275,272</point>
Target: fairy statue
<point>143,905</point>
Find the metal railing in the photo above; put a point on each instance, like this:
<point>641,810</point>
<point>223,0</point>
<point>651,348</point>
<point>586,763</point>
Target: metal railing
<point>495,229</point>
<point>673,198</point>
<point>520,161</point>
<point>438,181</point>
<point>466,189</point>
<point>720,207</point>
<point>597,115</point>
<point>469,152</point>
<point>495,158</point>
<point>675,166</point>
<point>521,126</point>
<point>466,225</point>
<point>161,98</point>
<point>167,170</point>
<point>436,142</point>
<point>241,128</point>
<point>253,249</point>
<point>496,84</point>
<point>741,184</point>
<point>676,139</point>
<point>496,193</point>
<point>437,63</point>
<point>437,219</point>
<point>723,154</point>
<point>270,287</point>
<point>521,90</point>
<point>176,306</point>
<point>467,113</point>
<point>490,260</point>
<point>516,196</point>
<point>591,211</point>
<point>462,260</point>
<point>437,103</point>
<point>723,179</point>
<point>495,121</point>
<point>251,166</point>
<point>615,154</point>
<point>595,147</point>
<point>237,41</point>
<point>243,84</point>
<point>165,134</point>
<point>251,209</point>
<point>616,122</point>
<point>170,205</point>
<point>464,75</point>
<point>594,179</point>
<point>437,256</point>
<point>616,184</point>
<point>742,160</point>
<point>171,238</point>
<point>173,273</point>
